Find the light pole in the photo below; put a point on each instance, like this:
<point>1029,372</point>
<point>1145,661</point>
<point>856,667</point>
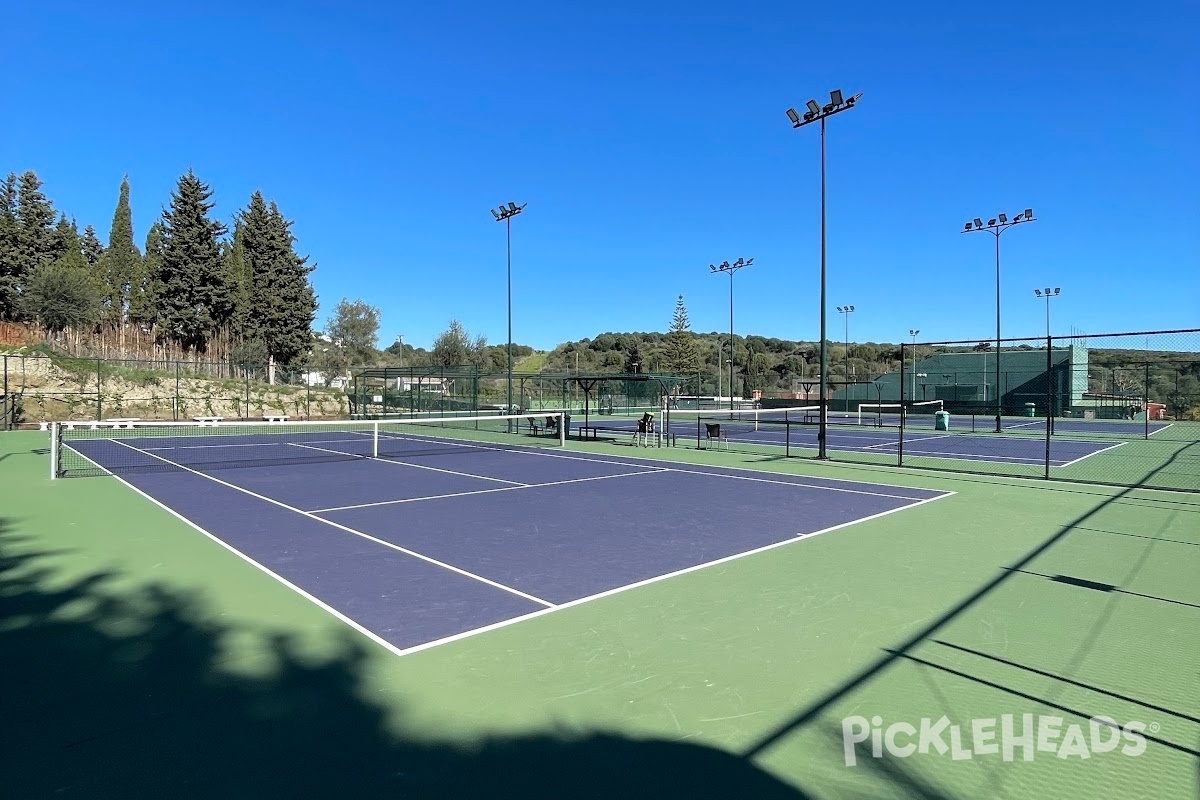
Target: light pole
<point>913,333</point>
<point>1047,293</point>
<point>720,368</point>
<point>725,266</point>
<point>996,226</point>
<point>505,215</point>
<point>847,311</point>
<point>815,112</point>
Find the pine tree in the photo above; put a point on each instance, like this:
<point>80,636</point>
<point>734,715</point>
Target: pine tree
<point>121,260</point>
<point>9,248</point>
<point>681,355</point>
<point>280,303</point>
<point>91,248</point>
<point>32,242</point>
<point>192,296</point>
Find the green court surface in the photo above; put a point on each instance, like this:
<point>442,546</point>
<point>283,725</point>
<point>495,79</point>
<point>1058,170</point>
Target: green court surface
<point>140,659</point>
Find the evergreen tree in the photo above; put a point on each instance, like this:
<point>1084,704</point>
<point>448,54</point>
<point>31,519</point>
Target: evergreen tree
<point>192,296</point>
<point>143,295</point>
<point>63,294</point>
<point>10,264</point>
<point>120,264</point>
<point>681,355</point>
<point>32,242</point>
<point>237,276</point>
<point>279,301</point>
<point>454,347</point>
<point>634,362</point>
<point>92,249</point>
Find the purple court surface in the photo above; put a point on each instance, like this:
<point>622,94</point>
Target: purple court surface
<point>1022,443</point>
<point>442,538</point>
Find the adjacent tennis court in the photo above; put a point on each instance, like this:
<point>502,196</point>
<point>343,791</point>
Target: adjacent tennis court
<point>421,531</point>
<point>1022,440</point>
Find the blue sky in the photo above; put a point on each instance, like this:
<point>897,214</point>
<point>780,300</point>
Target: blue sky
<point>649,140</point>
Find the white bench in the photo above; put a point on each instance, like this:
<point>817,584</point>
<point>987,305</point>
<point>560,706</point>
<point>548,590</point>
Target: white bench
<point>275,417</point>
<point>208,420</point>
<point>91,424</point>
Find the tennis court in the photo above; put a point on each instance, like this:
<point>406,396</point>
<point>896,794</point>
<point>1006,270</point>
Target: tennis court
<point>1023,440</point>
<point>471,612</point>
<point>418,535</point>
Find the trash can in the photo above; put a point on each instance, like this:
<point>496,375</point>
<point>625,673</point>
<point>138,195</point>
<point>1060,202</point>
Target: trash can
<point>1030,410</point>
<point>941,421</point>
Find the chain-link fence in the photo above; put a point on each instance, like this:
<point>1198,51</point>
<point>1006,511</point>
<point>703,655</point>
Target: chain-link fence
<point>1120,409</point>
<point>52,387</point>
<point>41,388</point>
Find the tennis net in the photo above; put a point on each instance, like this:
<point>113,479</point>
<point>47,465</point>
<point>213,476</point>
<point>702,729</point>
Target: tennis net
<point>895,413</point>
<point>101,448</point>
<point>740,421</point>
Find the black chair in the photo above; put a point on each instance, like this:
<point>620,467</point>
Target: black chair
<point>645,427</point>
<point>712,430</point>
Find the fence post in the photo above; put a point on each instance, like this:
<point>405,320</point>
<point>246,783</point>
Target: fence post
<point>175,405</point>
<point>99,394</point>
<point>1146,401</point>
<point>8,400</point>
<point>246,379</point>
<point>903,383</point>
<point>1049,406</point>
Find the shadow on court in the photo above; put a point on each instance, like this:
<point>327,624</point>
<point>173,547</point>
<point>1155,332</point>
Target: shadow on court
<point>123,694</point>
<point>906,781</point>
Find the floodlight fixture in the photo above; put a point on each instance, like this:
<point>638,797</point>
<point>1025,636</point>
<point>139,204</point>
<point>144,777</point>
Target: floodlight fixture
<point>505,215</point>
<point>793,116</point>
<point>996,226</point>
<point>838,102</point>
<point>725,266</point>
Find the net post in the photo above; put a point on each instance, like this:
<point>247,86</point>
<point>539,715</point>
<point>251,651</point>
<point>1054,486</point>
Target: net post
<point>55,442</point>
<point>375,439</point>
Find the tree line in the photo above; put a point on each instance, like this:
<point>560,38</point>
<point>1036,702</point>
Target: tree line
<point>196,287</point>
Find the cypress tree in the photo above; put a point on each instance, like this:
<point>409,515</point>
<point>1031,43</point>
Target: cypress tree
<point>143,297</point>
<point>237,276</point>
<point>192,296</point>
<point>121,259</point>
<point>281,303</point>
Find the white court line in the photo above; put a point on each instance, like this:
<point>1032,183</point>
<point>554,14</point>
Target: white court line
<point>535,450</point>
<point>341,527</point>
<point>799,537</point>
<point>1089,455</point>
<point>251,444</point>
<point>415,466</point>
<point>732,477</point>
<point>486,491</point>
<point>1163,428</point>
<point>379,640</point>
<point>504,623</point>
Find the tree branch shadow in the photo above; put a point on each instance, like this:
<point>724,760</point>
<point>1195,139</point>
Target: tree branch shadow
<point>127,694</point>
